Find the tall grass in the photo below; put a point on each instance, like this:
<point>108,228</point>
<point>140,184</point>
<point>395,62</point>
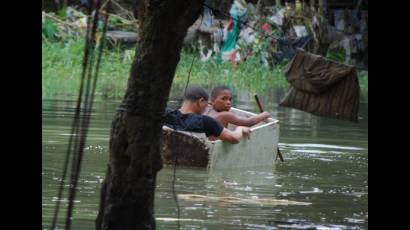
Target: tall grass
<point>62,66</point>
<point>250,74</point>
<point>61,70</point>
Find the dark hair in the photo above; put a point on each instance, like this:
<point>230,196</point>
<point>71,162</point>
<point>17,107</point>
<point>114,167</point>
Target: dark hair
<point>194,93</point>
<point>217,90</point>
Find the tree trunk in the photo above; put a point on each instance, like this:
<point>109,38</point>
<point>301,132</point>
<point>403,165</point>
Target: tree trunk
<point>127,196</point>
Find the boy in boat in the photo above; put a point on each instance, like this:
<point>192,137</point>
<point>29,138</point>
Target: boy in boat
<point>221,99</point>
<point>189,118</point>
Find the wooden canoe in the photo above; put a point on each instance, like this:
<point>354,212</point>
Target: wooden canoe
<point>194,149</point>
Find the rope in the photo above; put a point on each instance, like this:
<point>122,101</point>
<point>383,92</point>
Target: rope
<point>89,99</point>
<point>80,139</point>
<point>176,160</point>
<point>74,127</point>
<point>81,121</point>
<point>189,74</point>
<point>193,59</point>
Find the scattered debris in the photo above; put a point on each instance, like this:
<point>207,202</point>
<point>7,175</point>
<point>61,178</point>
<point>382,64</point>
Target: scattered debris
<point>273,34</point>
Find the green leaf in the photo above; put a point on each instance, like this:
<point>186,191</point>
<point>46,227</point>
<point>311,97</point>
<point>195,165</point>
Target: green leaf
<point>62,13</point>
<point>49,29</point>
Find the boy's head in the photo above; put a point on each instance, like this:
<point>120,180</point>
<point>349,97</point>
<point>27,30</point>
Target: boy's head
<point>198,97</point>
<point>221,98</point>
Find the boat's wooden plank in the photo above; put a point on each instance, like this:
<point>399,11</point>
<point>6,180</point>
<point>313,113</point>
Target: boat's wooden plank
<point>185,149</point>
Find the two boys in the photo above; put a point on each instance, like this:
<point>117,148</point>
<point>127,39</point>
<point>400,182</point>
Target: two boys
<point>195,115</point>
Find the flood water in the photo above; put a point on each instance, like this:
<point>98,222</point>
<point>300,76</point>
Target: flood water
<point>323,183</point>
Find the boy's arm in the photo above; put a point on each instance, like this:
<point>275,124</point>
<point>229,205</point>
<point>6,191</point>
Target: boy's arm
<point>215,129</point>
<point>229,117</point>
<point>235,136</point>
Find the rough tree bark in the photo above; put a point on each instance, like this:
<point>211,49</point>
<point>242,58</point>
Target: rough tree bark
<point>127,196</point>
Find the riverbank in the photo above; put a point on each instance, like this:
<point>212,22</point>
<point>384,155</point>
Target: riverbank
<point>61,71</point>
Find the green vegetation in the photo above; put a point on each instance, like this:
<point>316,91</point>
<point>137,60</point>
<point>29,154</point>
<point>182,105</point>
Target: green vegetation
<point>62,66</point>
<point>62,54</point>
<point>61,72</point>
<point>338,56</point>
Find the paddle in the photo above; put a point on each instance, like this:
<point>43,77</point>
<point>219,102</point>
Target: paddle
<point>261,110</point>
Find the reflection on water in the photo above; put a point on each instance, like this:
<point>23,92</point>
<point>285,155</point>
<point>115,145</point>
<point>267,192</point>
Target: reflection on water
<point>321,185</point>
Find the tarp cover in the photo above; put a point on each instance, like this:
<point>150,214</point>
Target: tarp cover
<point>322,87</point>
